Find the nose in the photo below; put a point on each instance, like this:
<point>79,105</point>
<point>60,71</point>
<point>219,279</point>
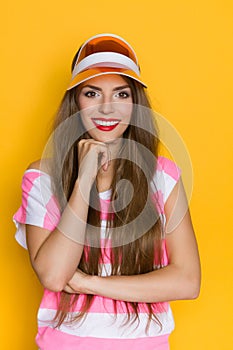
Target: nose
<point>106,106</point>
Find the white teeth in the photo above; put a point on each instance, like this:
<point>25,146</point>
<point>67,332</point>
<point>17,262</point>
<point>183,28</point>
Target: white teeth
<point>104,123</point>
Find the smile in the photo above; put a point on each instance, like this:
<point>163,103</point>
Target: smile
<point>105,124</point>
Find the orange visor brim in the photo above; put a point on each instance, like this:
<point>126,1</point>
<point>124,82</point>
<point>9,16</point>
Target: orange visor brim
<point>94,72</point>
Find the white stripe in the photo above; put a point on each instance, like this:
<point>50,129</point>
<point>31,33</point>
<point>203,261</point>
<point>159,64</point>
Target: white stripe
<point>106,59</point>
<point>103,325</point>
<point>43,184</point>
<point>38,197</point>
<point>103,229</point>
<point>170,183</point>
<point>105,269</point>
<point>163,182</point>
<point>20,234</point>
<point>158,182</point>
<point>105,194</point>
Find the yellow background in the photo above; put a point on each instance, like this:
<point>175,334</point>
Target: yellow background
<point>185,51</point>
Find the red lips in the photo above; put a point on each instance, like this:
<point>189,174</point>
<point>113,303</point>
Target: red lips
<point>105,127</point>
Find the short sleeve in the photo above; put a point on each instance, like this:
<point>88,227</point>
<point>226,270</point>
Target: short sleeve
<point>39,206</point>
<point>166,176</point>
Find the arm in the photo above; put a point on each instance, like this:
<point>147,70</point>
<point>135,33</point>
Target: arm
<point>55,255</point>
<point>179,280</point>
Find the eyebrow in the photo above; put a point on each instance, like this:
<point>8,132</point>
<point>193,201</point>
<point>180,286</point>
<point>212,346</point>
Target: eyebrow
<point>99,89</point>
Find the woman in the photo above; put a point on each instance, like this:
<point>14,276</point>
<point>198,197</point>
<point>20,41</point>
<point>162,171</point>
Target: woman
<point>105,219</point>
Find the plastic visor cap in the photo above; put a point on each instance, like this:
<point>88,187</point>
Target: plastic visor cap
<point>105,54</point>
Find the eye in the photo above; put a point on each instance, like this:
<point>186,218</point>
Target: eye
<point>123,94</point>
<point>90,93</point>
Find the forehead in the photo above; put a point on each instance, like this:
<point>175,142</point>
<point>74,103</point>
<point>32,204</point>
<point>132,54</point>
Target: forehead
<point>109,80</point>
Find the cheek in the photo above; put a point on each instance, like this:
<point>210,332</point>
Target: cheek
<point>85,119</point>
<point>83,104</point>
<point>87,108</point>
<point>126,111</point>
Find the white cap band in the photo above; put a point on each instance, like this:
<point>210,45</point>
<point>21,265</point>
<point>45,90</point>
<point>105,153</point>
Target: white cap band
<point>106,59</point>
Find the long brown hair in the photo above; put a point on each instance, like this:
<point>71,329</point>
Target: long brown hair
<point>142,253</point>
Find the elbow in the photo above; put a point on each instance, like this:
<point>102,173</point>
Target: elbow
<point>192,289</point>
<point>194,292</point>
<point>52,284</point>
<point>190,282</point>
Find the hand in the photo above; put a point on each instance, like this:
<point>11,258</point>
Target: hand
<point>92,155</point>
<point>77,284</point>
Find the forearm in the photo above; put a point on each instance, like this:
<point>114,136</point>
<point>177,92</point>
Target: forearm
<point>166,284</point>
<point>59,255</point>
<point>179,280</point>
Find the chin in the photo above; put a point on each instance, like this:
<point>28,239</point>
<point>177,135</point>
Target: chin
<point>105,138</point>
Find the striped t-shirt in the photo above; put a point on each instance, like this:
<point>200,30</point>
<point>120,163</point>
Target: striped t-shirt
<point>102,328</point>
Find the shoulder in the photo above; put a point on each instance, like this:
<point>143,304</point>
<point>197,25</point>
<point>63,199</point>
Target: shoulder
<point>41,165</point>
<point>37,178</point>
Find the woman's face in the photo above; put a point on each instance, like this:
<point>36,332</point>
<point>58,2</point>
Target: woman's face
<point>106,106</point>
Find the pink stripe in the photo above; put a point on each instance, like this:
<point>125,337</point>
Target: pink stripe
<point>50,300</point>
<point>105,206</point>
<point>106,256</point>
<point>20,215</point>
<point>106,253</point>
<point>165,260</point>
<point>105,250</point>
<point>106,243</point>
<point>27,184</point>
<point>157,198</point>
<point>51,339</point>
<point>53,214</point>
<point>164,257</point>
<point>169,167</point>
<point>30,176</point>
<point>104,216</point>
<point>159,164</point>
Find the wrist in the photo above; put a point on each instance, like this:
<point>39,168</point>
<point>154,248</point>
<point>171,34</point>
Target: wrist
<point>90,284</point>
<point>83,186</point>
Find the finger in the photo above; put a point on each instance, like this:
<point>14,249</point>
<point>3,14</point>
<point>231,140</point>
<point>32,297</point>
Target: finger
<point>85,146</point>
<point>91,141</point>
<point>88,143</point>
<point>109,156</point>
<point>101,149</point>
<point>105,160</point>
<point>68,289</point>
